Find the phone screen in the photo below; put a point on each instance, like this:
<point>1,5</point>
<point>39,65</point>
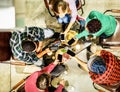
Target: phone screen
<point>62,37</point>
<point>59,57</point>
<point>71,41</point>
<point>70,53</point>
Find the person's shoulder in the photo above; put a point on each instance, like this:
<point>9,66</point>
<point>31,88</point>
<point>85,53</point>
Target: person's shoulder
<point>95,12</point>
<point>16,32</point>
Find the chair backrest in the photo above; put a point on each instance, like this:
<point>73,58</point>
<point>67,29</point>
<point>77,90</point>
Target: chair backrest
<point>115,39</point>
<point>5,50</point>
<point>111,88</point>
<point>21,88</point>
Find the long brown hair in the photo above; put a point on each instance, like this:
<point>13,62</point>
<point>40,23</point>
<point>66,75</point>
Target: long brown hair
<point>60,3</point>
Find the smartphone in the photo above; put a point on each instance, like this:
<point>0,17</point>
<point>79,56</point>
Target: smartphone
<point>70,53</point>
<point>54,48</point>
<point>71,41</point>
<point>62,37</point>
<point>59,57</point>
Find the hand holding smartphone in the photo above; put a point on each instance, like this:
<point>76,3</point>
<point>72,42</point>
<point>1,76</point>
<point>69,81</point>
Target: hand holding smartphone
<point>71,41</point>
<point>59,57</point>
<point>62,37</point>
<point>71,53</point>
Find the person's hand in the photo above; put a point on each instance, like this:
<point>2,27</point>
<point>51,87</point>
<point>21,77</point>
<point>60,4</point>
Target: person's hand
<point>39,49</point>
<point>97,53</point>
<point>56,62</point>
<point>47,50</point>
<point>65,58</point>
<point>62,82</point>
<point>66,31</point>
<point>89,37</point>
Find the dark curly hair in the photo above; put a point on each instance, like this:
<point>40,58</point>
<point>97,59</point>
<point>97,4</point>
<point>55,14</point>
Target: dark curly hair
<point>94,25</point>
<point>28,46</point>
<point>43,81</point>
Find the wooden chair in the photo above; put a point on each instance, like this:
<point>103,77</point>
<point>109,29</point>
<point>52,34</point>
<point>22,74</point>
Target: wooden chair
<point>79,6</point>
<point>19,87</point>
<point>111,88</point>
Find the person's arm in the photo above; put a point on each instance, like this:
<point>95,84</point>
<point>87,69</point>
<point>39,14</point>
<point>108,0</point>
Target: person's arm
<point>68,27</point>
<point>83,64</point>
<point>103,53</point>
<point>35,33</point>
<point>50,67</point>
<point>96,53</point>
<point>92,15</point>
<point>61,86</point>
<point>72,6</point>
<point>40,44</point>
<point>39,55</point>
<point>82,34</point>
<point>15,43</point>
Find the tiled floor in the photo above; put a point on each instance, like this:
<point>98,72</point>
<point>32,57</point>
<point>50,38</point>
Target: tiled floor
<point>79,79</point>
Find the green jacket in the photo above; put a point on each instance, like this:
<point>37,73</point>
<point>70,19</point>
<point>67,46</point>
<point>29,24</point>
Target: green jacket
<point>108,24</point>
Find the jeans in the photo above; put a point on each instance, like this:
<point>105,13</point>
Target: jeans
<point>66,19</point>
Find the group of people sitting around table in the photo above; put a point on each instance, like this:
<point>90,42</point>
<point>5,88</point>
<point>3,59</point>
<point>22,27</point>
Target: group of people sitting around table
<point>27,46</point>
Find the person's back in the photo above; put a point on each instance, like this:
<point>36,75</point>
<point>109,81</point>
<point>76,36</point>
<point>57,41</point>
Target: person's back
<point>106,72</point>
<point>40,80</point>
<point>108,25</point>
<point>103,67</point>
<point>34,34</point>
<point>108,22</point>
<point>66,13</point>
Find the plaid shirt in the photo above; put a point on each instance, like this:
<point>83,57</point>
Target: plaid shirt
<point>33,33</point>
<point>112,74</point>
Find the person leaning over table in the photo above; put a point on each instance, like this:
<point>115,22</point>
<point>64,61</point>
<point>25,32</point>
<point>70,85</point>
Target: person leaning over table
<point>27,45</point>
<point>66,13</point>
<point>39,81</point>
<point>98,25</point>
<point>60,68</point>
<point>103,67</point>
